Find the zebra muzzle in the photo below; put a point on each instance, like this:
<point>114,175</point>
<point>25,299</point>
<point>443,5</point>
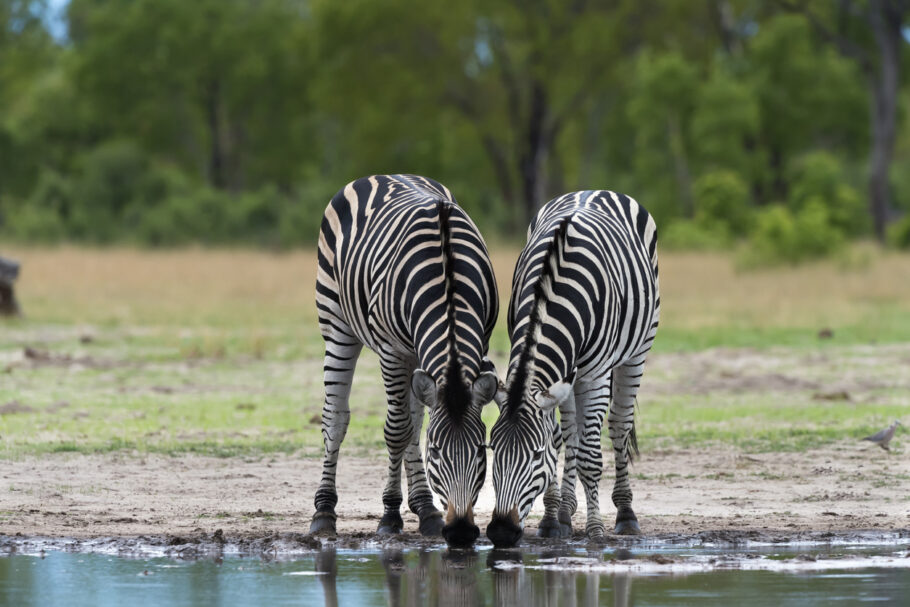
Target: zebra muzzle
<point>460,531</point>
<point>505,531</point>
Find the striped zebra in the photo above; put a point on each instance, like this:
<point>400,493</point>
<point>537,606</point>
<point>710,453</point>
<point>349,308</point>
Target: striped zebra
<point>404,271</point>
<point>583,315</point>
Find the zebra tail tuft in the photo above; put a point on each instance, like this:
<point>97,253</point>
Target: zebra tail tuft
<point>632,444</point>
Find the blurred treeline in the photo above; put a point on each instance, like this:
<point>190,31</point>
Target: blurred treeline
<point>162,122</point>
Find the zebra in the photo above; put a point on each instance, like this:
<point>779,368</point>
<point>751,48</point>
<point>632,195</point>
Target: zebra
<point>403,270</point>
<point>583,315</point>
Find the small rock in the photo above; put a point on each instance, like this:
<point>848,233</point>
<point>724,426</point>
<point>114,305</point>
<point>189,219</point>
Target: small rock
<point>826,333</point>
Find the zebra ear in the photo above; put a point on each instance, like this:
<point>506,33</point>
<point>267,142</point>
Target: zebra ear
<point>484,388</point>
<point>424,388</point>
<point>556,394</point>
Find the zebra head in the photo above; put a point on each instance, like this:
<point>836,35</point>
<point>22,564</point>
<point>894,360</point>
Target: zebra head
<point>524,456</point>
<point>456,446</point>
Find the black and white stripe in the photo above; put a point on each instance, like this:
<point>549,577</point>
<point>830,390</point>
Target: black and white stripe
<point>404,271</point>
<point>583,315</point>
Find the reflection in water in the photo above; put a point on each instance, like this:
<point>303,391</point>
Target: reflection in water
<point>327,565</point>
<point>425,577</point>
<point>455,578</point>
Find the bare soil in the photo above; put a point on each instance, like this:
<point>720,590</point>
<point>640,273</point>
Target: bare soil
<point>677,492</point>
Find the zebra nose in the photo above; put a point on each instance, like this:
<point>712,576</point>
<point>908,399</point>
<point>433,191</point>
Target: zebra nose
<point>460,533</point>
<point>503,532</point>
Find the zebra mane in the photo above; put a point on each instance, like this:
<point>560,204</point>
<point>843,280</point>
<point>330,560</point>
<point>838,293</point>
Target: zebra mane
<point>456,396</point>
<point>518,386</point>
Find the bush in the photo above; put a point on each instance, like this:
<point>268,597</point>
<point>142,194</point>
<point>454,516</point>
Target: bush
<point>722,200</point>
<point>33,223</point>
<point>899,233</point>
<point>781,236</point>
<point>819,177</point>
<point>691,235</point>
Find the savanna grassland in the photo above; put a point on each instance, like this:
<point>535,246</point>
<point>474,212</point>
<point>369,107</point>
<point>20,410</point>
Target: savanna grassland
<point>218,352</point>
<point>164,392</point>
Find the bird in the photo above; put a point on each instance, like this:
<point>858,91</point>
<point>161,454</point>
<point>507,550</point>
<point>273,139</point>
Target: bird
<point>884,437</point>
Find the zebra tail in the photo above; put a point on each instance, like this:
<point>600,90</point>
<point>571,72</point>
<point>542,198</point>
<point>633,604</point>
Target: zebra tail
<point>632,444</point>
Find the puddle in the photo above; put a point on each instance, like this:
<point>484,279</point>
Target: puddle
<point>43,572</point>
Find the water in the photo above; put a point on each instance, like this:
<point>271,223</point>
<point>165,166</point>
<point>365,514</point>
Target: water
<point>571,577</point>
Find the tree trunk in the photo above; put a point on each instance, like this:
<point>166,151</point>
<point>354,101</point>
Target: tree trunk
<point>886,21</point>
<point>533,158</point>
<point>681,164</point>
<point>216,151</point>
<point>9,271</point>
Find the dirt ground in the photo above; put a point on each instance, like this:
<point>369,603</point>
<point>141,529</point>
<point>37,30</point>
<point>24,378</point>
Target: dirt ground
<point>676,492</point>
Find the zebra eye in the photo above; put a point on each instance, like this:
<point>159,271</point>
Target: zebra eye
<point>434,452</point>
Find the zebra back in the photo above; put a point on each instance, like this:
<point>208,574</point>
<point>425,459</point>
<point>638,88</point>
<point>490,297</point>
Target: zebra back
<point>585,289</point>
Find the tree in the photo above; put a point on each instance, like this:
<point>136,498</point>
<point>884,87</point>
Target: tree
<point>516,72</point>
<point>870,32</point>
<point>218,86</point>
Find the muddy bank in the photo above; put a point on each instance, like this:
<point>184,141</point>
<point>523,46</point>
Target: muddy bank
<point>656,548</point>
<point>677,492</point>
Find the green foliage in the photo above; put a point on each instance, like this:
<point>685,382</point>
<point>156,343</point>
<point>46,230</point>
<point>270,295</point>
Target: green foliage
<point>257,110</point>
<point>725,123</point>
<point>784,237</point>
<point>722,200</point>
<point>690,235</point>
<point>819,177</point>
<point>899,233</point>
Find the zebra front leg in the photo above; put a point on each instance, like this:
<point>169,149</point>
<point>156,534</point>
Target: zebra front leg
<point>592,403</point>
<point>549,524</point>
<point>420,498</point>
<point>626,380</point>
<point>569,425</point>
<point>341,352</point>
<point>398,433</point>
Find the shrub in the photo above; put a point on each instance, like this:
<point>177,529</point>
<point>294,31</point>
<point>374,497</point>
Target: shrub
<point>781,236</point>
<point>33,223</point>
<point>722,200</point>
<point>819,177</point>
<point>691,235</point>
<point>899,233</point>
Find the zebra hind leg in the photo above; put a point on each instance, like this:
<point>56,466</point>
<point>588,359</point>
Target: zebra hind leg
<point>398,433</point>
<point>420,498</point>
<point>340,362</point>
<point>626,380</point>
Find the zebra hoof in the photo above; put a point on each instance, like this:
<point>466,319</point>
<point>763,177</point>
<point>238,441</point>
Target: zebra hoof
<point>565,524</point>
<point>323,523</point>
<point>388,530</point>
<point>431,524</point>
<point>390,524</point>
<point>626,523</point>
<point>549,527</point>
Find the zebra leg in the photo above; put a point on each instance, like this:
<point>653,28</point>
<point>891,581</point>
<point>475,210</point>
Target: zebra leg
<point>549,524</point>
<point>420,498</point>
<point>569,425</point>
<point>341,352</point>
<point>626,379</point>
<point>592,403</point>
<point>398,432</point>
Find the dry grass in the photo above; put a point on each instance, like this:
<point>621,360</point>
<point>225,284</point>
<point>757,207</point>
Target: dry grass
<point>705,290</point>
<point>243,288</point>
